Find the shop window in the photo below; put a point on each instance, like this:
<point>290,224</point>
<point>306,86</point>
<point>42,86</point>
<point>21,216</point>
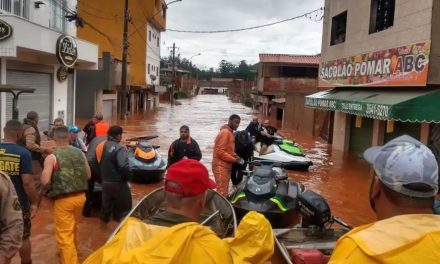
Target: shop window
<point>339,27</point>
<point>17,7</point>
<point>381,15</point>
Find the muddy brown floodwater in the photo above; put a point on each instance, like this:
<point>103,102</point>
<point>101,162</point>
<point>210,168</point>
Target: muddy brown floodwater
<point>342,179</point>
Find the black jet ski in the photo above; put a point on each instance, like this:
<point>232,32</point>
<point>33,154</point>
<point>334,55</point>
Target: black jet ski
<point>268,191</point>
<point>145,161</point>
<point>315,238</point>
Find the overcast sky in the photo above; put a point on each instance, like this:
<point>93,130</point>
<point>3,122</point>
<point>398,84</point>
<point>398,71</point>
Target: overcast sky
<point>301,36</point>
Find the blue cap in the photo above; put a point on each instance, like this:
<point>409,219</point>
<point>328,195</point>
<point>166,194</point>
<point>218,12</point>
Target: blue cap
<point>405,161</point>
<point>73,129</point>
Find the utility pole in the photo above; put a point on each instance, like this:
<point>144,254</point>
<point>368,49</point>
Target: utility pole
<point>124,89</point>
<point>174,74</point>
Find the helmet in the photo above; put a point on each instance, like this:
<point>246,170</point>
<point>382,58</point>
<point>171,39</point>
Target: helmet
<point>73,129</point>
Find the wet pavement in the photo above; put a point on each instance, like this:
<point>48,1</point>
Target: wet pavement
<point>342,179</point>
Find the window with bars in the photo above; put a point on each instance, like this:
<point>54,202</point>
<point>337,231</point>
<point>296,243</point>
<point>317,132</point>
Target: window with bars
<point>16,7</point>
<point>381,15</point>
<point>58,15</point>
<point>339,28</point>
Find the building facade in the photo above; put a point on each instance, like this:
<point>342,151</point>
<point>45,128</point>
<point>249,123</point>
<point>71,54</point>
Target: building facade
<point>283,82</point>
<point>39,50</point>
<point>380,68</point>
<point>103,24</point>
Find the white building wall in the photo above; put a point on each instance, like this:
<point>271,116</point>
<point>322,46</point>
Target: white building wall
<point>153,54</point>
<point>34,37</point>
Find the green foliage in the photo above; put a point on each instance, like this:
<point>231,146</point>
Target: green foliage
<point>226,69</point>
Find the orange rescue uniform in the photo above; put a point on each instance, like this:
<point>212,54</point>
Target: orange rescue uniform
<point>223,157</point>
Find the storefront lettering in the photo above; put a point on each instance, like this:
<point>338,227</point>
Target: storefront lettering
<point>377,110</point>
<point>385,67</point>
<point>351,106</point>
<point>324,103</point>
<point>5,30</point>
<point>67,51</point>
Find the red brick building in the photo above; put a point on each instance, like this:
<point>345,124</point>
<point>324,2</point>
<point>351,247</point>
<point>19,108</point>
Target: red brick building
<point>283,82</point>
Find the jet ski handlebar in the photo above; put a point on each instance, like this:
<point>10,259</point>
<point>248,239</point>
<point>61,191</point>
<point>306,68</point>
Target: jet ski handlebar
<point>265,163</point>
<point>142,138</point>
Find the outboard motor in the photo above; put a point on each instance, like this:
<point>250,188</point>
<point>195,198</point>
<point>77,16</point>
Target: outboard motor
<point>262,184</point>
<point>314,209</point>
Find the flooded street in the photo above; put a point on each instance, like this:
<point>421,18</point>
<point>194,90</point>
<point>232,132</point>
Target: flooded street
<point>342,180</point>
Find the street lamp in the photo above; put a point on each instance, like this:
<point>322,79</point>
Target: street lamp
<point>194,56</point>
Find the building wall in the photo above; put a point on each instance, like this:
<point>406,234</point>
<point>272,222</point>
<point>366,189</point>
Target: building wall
<point>412,24</point>
<point>153,54</point>
<point>434,65</point>
<point>109,20</point>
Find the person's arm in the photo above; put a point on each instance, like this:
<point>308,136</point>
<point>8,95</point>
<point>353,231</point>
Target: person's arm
<point>197,152</point>
<point>86,163</point>
<point>46,175</point>
<point>123,165</point>
<point>11,220</point>
<point>27,178</point>
<point>222,145</point>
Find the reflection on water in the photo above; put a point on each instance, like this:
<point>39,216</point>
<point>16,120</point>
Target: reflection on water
<point>342,180</point>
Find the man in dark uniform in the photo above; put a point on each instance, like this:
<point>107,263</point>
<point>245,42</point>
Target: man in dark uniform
<point>115,174</point>
<point>16,161</point>
<point>184,147</point>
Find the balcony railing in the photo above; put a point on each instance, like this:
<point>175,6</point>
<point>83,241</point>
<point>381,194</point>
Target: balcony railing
<point>16,7</point>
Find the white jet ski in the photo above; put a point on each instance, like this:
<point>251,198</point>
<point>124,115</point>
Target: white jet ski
<point>286,161</point>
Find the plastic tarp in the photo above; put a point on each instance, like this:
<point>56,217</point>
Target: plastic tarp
<point>140,243</point>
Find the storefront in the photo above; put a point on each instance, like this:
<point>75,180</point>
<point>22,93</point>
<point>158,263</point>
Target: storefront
<point>47,63</point>
<point>375,115</point>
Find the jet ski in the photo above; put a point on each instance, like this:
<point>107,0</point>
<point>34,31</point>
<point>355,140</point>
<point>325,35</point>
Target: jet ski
<point>285,159</point>
<point>289,146</point>
<point>146,163</point>
<point>268,191</point>
<point>315,238</point>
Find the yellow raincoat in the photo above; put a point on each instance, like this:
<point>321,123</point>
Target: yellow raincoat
<point>398,240</point>
<point>140,243</point>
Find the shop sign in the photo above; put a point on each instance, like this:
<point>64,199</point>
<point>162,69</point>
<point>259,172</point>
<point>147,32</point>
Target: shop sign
<point>402,66</point>
<point>379,111</point>
<point>62,73</point>
<point>67,51</point>
<point>5,30</point>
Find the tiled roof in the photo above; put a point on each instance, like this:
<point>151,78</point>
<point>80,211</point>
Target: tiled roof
<point>293,59</point>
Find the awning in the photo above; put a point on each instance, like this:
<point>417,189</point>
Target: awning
<point>407,105</point>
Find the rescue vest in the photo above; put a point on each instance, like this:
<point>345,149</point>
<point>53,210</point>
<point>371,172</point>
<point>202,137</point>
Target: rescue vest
<point>101,128</point>
<point>69,174</point>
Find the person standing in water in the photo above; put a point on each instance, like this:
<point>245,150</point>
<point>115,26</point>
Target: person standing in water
<point>184,147</point>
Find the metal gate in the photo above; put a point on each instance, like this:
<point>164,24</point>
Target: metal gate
<point>39,101</point>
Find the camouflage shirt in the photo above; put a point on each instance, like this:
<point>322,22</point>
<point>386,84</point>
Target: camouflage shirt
<point>69,174</point>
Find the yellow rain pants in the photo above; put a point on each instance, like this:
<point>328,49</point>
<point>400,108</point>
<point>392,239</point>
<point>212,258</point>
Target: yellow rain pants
<point>67,212</point>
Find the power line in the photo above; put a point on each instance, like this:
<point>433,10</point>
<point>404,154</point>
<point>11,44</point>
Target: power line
<point>306,15</point>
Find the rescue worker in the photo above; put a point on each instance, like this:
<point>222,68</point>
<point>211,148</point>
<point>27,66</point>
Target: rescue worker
<point>16,161</point>
<point>404,184</point>
<point>184,147</point>
<point>89,130</point>
<point>101,127</point>
<point>115,174</point>
<point>224,155</point>
<point>31,140</point>
<point>175,235</point>
<point>96,175</point>
<point>245,150</point>
<point>253,128</point>
<point>266,136</point>
<point>11,220</point>
<point>57,122</point>
<point>66,173</point>
<point>75,140</point>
